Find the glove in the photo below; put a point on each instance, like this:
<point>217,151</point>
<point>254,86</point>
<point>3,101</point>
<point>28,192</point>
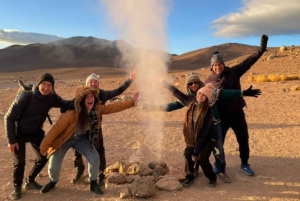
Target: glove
<point>263,42</point>
<point>251,92</point>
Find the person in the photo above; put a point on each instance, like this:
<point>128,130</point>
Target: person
<point>79,129</point>
<point>93,80</point>
<point>23,123</point>
<point>199,141</point>
<point>231,111</point>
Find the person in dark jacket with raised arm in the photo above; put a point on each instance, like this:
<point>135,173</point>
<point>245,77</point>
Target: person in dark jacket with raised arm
<point>93,80</point>
<point>231,111</point>
<point>23,123</point>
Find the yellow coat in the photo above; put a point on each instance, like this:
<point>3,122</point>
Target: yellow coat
<point>65,126</point>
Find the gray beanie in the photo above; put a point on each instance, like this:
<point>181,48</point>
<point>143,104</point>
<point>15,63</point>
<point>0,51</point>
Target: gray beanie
<point>216,58</point>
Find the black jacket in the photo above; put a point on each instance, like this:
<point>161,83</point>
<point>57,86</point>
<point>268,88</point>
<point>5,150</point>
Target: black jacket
<point>230,79</point>
<point>28,118</point>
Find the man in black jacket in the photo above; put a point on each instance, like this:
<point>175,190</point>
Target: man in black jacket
<point>94,81</point>
<point>231,111</point>
<point>23,123</point>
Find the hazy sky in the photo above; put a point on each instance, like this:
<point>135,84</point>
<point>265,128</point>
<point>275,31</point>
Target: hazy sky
<point>190,24</point>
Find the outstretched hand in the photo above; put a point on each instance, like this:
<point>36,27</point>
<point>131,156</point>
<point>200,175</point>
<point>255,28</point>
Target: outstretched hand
<point>251,92</point>
<point>133,75</point>
<point>263,42</point>
<point>136,97</point>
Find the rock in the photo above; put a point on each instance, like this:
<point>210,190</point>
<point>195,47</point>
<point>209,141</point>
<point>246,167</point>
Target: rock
<point>116,178</point>
<point>139,169</point>
<point>161,170</point>
<point>169,184</point>
<point>143,187</point>
<point>125,192</point>
<point>153,164</point>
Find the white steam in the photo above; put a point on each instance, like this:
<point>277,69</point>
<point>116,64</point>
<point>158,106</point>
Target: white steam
<point>143,24</point>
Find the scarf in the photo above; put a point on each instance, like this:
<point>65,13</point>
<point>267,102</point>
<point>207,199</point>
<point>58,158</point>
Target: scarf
<point>193,122</point>
<point>93,134</point>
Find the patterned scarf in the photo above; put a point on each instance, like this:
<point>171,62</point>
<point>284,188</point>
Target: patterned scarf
<point>93,134</point>
<point>193,122</point>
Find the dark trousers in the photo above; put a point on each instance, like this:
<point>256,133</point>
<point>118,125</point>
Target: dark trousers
<point>203,160</point>
<point>35,140</point>
<point>237,122</point>
<point>78,161</point>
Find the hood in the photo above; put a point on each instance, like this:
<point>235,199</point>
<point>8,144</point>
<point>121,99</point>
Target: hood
<point>80,93</point>
<point>192,77</point>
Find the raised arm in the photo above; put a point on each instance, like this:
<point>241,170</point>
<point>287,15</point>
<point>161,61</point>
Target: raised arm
<point>105,95</point>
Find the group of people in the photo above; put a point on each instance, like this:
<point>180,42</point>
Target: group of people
<point>212,108</point>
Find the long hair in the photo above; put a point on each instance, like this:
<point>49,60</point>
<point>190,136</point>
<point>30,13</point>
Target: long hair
<point>83,117</point>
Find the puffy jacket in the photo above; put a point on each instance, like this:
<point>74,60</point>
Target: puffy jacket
<point>28,118</point>
<point>230,79</point>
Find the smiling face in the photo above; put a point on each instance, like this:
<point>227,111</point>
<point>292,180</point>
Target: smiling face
<point>194,86</point>
<point>200,97</point>
<point>45,88</point>
<point>89,101</point>
<point>218,68</point>
<point>93,83</point>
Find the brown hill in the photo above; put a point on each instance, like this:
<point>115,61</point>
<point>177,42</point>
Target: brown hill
<point>78,52</point>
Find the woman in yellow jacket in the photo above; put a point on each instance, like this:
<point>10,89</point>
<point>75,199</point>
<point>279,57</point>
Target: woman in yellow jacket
<point>78,129</point>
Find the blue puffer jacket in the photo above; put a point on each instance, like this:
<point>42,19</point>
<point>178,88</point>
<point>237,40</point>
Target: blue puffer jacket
<point>28,118</point>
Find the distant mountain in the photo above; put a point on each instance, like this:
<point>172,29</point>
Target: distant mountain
<point>92,52</point>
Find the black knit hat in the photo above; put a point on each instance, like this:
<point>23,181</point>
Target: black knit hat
<point>45,77</point>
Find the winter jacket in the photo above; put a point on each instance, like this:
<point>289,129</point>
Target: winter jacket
<point>66,125</point>
<point>230,79</point>
<point>28,118</point>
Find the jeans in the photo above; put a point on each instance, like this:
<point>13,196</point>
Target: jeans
<point>35,140</point>
<point>78,162</point>
<point>219,154</point>
<point>80,144</point>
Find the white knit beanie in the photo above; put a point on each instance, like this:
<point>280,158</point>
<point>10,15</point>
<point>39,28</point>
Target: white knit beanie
<point>92,76</point>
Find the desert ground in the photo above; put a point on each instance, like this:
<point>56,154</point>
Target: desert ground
<point>274,129</point>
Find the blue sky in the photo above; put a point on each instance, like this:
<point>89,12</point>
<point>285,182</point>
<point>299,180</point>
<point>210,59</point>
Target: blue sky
<point>190,24</point>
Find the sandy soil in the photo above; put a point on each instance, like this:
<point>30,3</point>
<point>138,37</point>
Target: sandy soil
<point>274,128</point>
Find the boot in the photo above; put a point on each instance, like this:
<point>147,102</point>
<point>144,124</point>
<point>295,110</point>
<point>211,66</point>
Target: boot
<point>101,182</point>
<point>95,188</point>
<point>17,193</point>
<point>189,180</point>
<point>48,187</point>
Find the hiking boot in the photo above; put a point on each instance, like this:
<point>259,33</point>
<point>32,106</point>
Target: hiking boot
<point>95,188</point>
<point>77,177</point>
<point>247,170</point>
<point>212,183</point>
<point>17,193</point>
<point>33,185</point>
<point>101,182</point>
<point>48,187</point>
<point>189,180</point>
<point>224,177</point>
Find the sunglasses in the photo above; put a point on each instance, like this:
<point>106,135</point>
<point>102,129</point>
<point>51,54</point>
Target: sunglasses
<point>195,83</point>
